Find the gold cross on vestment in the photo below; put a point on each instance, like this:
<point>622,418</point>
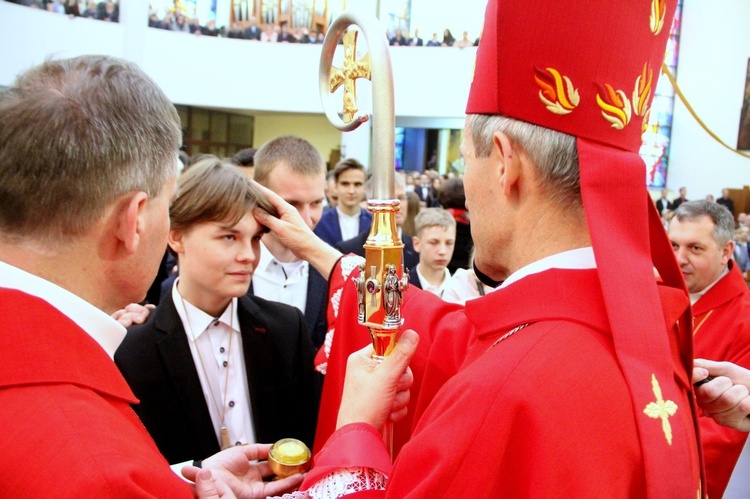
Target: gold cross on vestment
<point>661,409</point>
<point>348,74</point>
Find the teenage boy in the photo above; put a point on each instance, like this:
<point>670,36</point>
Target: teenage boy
<point>349,218</point>
<point>434,241</point>
<point>213,367</point>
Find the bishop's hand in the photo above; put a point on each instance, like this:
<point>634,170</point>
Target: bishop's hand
<point>376,392</point>
<point>292,231</point>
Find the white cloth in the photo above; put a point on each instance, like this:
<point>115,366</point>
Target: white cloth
<point>694,297</point>
<point>282,282</point>
<point>439,289</point>
<point>580,258</point>
<point>462,286</point>
<point>209,339</point>
<point>349,224</point>
<point>106,331</point>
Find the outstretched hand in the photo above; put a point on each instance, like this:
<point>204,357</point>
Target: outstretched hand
<point>236,468</point>
<point>378,392</point>
<point>206,487</point>
<point>726,398</point>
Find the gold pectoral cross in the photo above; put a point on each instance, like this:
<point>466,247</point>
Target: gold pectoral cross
<point>348,74</point>
<point>661,409</point>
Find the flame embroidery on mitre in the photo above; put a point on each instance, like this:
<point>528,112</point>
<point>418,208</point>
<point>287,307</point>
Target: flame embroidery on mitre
<point>642,91</point>
<point>557,91</point>
<point>658,11</point>
<point>615,106</point>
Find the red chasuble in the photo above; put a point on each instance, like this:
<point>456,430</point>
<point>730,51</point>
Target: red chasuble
<point>721,326</point>
<point>543,411</point>
<point>68,429</point>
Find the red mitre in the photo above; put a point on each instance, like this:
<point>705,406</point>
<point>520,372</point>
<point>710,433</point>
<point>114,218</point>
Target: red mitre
<point>589,69</point>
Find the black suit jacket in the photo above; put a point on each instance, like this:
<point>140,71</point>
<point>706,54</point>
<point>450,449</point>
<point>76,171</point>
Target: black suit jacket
<point>414,277</point>
<point>431,199</point>
<point>356,245</point>
<point>155,360</point>
<point>662,204</point>
<point>315,307</point>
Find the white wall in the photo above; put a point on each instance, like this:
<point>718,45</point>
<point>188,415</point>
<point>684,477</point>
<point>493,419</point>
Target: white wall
<point>431,83</point>
<point>711,72</point>
<point>226,73</point>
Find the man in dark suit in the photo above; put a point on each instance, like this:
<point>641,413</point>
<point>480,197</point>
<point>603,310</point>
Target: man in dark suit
<point>349,218</point>
<point>426,192</point>
<point>156,361</point>
<point>662,204</point>
<point>252,32</point>
<point>356,244</point>
<point>415,41</point>
<point>726,201</point>
<point>678,201</point>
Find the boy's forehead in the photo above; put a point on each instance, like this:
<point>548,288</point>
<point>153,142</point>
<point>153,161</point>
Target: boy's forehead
<point>438,231</point>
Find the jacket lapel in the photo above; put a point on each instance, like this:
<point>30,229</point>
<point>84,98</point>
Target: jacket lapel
<point>180,368</point>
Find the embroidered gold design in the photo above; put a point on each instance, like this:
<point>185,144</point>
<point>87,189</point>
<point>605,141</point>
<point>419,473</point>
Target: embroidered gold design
<point>557,92</point>
<point>615,106</point>
<point>658,11</point>
<point>661,409</point>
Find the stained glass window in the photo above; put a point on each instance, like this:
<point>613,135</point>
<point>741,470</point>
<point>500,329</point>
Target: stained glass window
<point>656,140</point>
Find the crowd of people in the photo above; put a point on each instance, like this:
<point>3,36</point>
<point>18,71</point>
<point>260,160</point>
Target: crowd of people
<point>560,351</point>
<point>108,10</point>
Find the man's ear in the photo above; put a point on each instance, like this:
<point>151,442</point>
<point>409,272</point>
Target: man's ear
<point>727,252</point>
<point>129,220</point>
<point>415,243</point>
<point>508,161</point>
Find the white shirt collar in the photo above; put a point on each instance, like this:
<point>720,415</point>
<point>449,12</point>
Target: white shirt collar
<point>438,290</point>
<point>580,258</point>
<point>265,262</point>
<point>106,331</point>
<point>196,321</point>
<point>694,297</point>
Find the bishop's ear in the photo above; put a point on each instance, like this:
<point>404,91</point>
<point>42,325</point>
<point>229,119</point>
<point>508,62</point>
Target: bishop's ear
<point>508,160</point>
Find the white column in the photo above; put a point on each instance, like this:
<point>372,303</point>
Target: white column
<point>444,139</point>
<point>134,21</point>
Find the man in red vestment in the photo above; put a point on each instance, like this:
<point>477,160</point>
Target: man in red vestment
<point>88,158</point>
<point>702,237</point>
<point>572,378</point>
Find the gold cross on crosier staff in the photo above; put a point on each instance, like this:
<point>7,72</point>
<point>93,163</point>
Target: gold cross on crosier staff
<point>348,74</point>
<point>661,409</point>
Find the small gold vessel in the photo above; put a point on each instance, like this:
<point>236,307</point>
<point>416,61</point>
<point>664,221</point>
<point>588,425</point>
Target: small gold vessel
<point>289,456</point>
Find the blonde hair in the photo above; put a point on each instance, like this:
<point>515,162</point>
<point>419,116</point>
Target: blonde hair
<point>433,217</point>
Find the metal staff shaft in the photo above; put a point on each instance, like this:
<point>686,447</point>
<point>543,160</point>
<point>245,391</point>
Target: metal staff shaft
<point>382,279</point>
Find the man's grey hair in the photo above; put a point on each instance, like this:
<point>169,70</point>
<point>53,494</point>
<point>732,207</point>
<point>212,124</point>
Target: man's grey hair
<point>297,153</point>
<point>554,154</point>
<point>75,135</point>
<point>721,217</point>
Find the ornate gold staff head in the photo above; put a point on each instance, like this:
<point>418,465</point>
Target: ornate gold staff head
<point>382,279</point>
